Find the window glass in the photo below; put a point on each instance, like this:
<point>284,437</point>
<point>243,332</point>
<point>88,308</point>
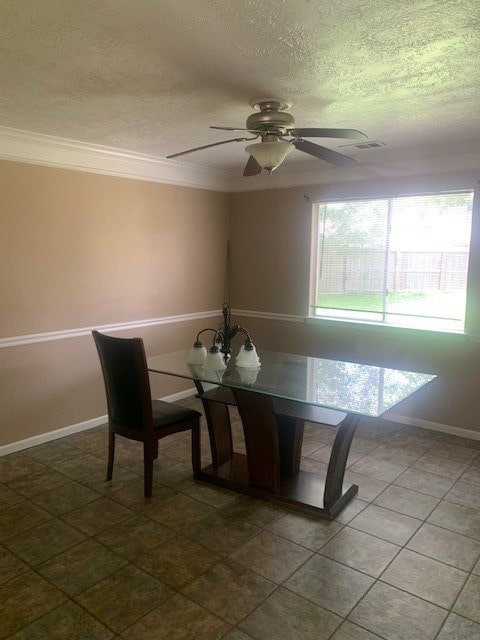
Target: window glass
<point>401,261</point>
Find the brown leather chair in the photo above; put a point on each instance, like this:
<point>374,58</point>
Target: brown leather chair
<point>131,411</point>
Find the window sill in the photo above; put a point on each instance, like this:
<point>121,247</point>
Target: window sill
<point>365,327</point>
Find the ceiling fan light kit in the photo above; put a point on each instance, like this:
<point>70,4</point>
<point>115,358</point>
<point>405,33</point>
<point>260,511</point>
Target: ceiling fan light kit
<point>279,137</point>
<point>270,155</point>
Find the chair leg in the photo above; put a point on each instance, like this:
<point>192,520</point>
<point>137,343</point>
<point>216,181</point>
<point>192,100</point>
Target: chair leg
<point>196,449</point>
<point>148,458</point>
<point>111,453</point>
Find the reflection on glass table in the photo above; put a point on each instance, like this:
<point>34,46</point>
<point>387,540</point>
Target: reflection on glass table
<point>274,401</point>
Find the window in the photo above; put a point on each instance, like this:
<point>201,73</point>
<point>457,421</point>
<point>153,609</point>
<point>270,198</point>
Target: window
<point>400,261</point>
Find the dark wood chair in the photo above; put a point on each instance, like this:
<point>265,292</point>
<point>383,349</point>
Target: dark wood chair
<point>131,411</point>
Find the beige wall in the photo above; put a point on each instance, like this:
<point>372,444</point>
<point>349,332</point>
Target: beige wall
<point>84,250</point>
<point>270,242</point>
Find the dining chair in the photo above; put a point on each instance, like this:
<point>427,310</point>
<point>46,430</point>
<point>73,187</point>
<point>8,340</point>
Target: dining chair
<point>131,411</point>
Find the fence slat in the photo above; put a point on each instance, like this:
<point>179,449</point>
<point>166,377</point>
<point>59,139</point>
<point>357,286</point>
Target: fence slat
<point>361,270</point>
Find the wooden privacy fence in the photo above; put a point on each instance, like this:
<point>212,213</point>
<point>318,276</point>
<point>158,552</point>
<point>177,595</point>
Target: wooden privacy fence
<point>357,270</point>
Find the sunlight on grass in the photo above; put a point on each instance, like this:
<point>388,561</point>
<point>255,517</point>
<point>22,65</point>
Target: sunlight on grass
<point>441,304</point>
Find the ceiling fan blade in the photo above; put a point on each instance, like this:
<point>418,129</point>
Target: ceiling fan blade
<point>338,159</point>
<point>351,134</point>
<point>229,128</point>
<point>252,168</point>
<point>207,146</point>
<point>255,131</point>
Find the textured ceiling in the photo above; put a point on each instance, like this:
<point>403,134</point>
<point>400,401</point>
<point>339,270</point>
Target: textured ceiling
<point>151,76</point>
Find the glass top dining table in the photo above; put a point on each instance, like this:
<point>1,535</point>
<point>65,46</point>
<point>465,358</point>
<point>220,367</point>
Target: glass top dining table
<point>344,386</point>
<point>274,402</point>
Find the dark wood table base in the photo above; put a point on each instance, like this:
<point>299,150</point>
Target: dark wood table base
<point>270,470</point>
<point>303,492</point>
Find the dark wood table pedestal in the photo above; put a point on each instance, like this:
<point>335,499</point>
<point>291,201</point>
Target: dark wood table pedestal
<point>270,469</point>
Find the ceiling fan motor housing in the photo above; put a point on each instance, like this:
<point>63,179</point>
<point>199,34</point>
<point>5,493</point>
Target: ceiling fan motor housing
<point>270,119</point>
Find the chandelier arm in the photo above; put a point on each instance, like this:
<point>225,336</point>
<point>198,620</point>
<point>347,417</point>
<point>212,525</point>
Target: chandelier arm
<point>215,331</point>
<point>243,330</point>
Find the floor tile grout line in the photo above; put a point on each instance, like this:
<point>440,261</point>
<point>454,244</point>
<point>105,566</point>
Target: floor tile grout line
<point>72,598</point>
<point>451,530</point>
<point>370,502</point>
<point>407,468</point>
<point>409,593</point>
<point>460,592</point>
<point>355,568</point>
<point>447,564</point>
<point>446,620</point>
<point>68,598</point>
<point>312,552</point>
<point>442,627</point>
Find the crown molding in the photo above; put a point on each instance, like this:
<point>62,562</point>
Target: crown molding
<point>380,164</point>
<point>37,148</point>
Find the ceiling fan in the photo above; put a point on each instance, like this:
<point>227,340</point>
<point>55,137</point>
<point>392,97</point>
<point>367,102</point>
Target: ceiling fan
<point>279,136</point>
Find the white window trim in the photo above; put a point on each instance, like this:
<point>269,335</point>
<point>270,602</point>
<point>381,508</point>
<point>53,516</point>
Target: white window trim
<point>330,319</point>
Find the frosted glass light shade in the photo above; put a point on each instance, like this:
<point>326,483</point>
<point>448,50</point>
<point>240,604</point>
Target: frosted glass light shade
<point>215,360</point>
<point>198,354</point>
<point>269,155</point>
<point>247,357</point>
<point>196,369</point>
<point>248,375</point>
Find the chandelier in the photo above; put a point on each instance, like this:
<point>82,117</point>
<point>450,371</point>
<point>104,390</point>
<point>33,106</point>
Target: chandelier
<point>218,355</point>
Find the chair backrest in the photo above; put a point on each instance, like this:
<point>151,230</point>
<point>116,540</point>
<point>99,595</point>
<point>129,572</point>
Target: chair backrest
<point>127,386</point>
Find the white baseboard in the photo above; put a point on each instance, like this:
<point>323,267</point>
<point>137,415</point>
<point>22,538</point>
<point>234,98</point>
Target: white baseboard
<point>20,445</point>
<point>434,426</point>
<point>180,395</point>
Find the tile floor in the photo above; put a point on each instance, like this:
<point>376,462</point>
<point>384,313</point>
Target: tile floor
<point>84,559</point>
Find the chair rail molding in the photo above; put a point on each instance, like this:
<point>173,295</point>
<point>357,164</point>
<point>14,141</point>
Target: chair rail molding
<point>267,315</point>
<point>47,336</point>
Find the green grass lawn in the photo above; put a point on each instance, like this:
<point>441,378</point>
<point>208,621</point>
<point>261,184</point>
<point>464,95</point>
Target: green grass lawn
<point>430,303</point>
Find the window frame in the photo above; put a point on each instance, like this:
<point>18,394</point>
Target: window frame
<point>375,324</point>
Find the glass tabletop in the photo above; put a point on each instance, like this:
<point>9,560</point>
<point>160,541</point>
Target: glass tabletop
<point>335,384</point>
